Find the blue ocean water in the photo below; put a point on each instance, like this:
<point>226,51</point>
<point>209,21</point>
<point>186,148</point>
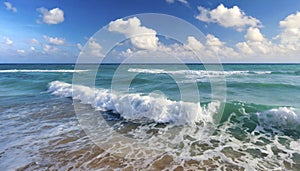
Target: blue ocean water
<point>259,127</point>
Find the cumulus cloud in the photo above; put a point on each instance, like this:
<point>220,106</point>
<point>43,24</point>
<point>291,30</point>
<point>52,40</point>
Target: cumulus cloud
<point>244,48</point>
<point>34,41</point>
<point>188,52</point>
<point>214,46</point>
<point>53,16</point>
<point>163,54</point>
<point>54,40</point>
<point>254,48</point>
<point>228,17</point>
<point>32,48</point>
<point>94,48</point>
<point>91,50</point>
<point>50,49</point>
<point>256,44</point>
<point>213,41</point>
<point>9,7</point>
<point>291,29</point>
<point>193,44</point>
<point>253,34</point>
<point>8,41</point>
<point>259,49</point>
<point>140,36</point>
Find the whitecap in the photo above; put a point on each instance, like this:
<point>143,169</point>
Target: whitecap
<point>39,70</point>
<point>138,107</point>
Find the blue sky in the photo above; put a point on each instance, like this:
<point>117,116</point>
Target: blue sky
<point>234,30</point>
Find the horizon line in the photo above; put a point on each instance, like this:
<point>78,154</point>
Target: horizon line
<point>115,63</point>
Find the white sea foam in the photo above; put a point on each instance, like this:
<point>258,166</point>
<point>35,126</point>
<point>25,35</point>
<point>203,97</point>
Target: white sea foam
<point>262,72</point>
<point>282,117</point>
<point>204,73</point>
<point>138,107</point>
<point>197,73</point>
<point>40,70</point>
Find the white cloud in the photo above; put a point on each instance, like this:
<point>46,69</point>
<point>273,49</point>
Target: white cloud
<point>34,41</point>
<point>53,16</point>
<point>256,44</point>
<point>140,36</point>
<point>91,50</point>
<point>49,48</point>
<point>170,1</point>
<point>227,17</point>
<point>211,41</point>
<point>187,52</point>
<point>204,15</point>
<point>32,48</point>
<point>215,47</point>
<point>258,49</point>
<point>181,1</point>
<point>253,34</point>
<point>9,6</point>
<point>162,54</point>
<point>291,29</point>
<point>94,48</point>
<point>21,51</point>
<point>255,47</point>
<point>46,48</point>
<point>8,41</point>
<point>244,48</point>
<point>54,40</point>
<point>79,46</point>
<point>193,44</point>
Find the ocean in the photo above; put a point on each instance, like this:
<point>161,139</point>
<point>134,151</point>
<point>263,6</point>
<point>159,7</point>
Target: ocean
<point>150,117</point>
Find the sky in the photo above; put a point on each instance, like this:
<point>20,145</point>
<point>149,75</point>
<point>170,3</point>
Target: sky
<point>65,31</point>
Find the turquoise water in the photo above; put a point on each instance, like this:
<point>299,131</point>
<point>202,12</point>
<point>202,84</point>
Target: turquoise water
<point>259,127</point>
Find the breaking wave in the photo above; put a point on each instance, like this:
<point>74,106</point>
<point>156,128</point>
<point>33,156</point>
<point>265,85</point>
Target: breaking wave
<point>138,107</point>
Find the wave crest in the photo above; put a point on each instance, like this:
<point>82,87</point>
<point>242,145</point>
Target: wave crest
<point>39,70</point>
<point>138,107</point>
<point>282,117</point>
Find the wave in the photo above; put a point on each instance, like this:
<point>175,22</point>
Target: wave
<point>143,108</point>
<point>138,107</point>
<point>38,70</point>
<point>282,117</point>
<point>202,73</point>
<point>194,72</point>
<point>261,72</point>
<point>207,73</point>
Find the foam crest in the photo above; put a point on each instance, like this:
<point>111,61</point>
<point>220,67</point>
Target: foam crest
<point>262,72</point>
<point>282,117</point>
<point>138,107</point>
<point>204,73</point>
<point>198,72</point>
<point>39,70</point>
